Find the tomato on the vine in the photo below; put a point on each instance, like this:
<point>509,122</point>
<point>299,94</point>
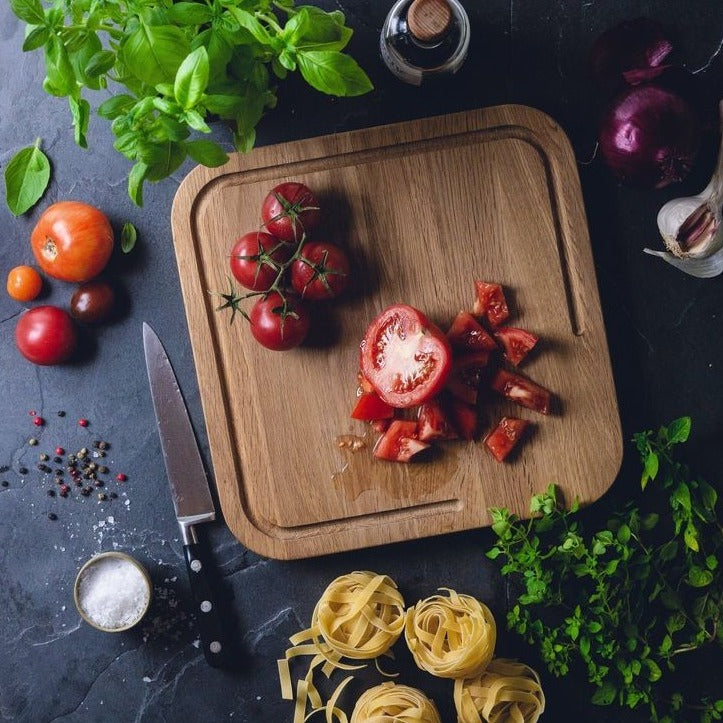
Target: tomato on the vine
<point>290,211</point>
<point>72,241</point>
<point>278,324</point>
<point>46,335</point>
<point>320,272</point>
<point>24,283</point>
<point>256,259</point>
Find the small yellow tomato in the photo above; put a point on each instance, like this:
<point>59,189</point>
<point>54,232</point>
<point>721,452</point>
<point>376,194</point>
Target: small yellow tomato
<point>24,283</point>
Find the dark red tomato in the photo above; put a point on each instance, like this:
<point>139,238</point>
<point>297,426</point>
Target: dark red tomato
<point>491,303</point>
<point>399,443</point>
<point>464,418</point>
<point>92,302</point>
<point>369,407</point>
<point>503,438</point>
<point>467,335</point>
<point>433,422</point>
<point>517,343</point>
<point>276,327</point>
<point>46,335</point>
<point>522,391</point>
<point>321,272</point>
<point>406,358</point>
<point>467,374</point>
<point>256,259</point>
<point>290,211</point>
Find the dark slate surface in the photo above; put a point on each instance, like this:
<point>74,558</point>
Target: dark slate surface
<point>665,332</point>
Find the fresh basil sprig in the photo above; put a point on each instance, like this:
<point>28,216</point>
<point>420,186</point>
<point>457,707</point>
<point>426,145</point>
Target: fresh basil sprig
<point>26,178</point>
<point>172,66</point>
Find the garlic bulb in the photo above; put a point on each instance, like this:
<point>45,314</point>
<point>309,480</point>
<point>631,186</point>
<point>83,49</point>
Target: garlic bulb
<point>691,227</point>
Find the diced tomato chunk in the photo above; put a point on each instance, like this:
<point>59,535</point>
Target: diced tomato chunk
<point>467,335</point>
<point>464,418</point>
<point>380,425</point>
<point>433,422</point>
<point>522,391</point>
<point>503,438</point>
<point>369,406</point>
<point>491,303</point>
<point>364,384</point>
<point>399,442</point>
<point>467,374</point>
<point>517,343</point>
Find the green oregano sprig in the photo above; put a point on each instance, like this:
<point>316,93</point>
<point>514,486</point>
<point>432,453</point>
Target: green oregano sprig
<point>623,602</point>
<point>180,63</point>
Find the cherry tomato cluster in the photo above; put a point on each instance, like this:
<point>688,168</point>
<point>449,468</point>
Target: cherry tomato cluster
<point>282,269</point>
<point>406,361</point>
<point>72,242</point>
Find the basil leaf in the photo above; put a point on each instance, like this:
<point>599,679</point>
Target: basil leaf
<point>81,55</point>
<point>36,38</point>
<point>100,63</point>
<point>26,178</point>
<point>60,73</point>
<point>249,22</point>
<point>127,144</point>
<point>31,11</point>
<point>313,29</point>
<point>185,13</point>
<point>195,120</point>
<point>170,158</point>
<point>333,73</point>
<point>679,430</point>
<point>153,53</point>
<point>172,130</point>
<point>129,236</point>
<point>192,78</point>
<point>219,51</point>
<point>225,106</point>
<point>207,153</point>
<point>135,182</point>
<point>80,111</point>
<point>115,106</point>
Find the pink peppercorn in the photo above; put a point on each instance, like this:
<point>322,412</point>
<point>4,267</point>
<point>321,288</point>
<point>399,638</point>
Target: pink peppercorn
<point>38,421</point>
<point>59,451</point>
<point>83,422</point>
<point>121,477</point>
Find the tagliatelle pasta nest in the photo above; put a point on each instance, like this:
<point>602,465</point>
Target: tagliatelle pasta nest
<point>506,692</point>
<point>452,636</point>
<point>393,703</point>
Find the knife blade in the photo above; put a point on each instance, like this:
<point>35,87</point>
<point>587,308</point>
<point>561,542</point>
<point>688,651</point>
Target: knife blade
<point>190,493</point>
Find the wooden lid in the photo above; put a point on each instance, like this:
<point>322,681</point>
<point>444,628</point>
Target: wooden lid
<point>429,19</point>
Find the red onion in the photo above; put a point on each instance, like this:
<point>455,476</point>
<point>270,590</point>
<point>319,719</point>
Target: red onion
<point>649,136</point>
<point>634,47</point>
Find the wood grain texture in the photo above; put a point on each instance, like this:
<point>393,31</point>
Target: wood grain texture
<point>423,207</point>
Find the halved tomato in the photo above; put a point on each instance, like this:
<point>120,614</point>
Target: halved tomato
<point>464,418</point>
<point>503,438</point>
<point>517,343</point>
<point>369,407</point>
<point>522,390</point>
<point>467,335</point>
<point>399,443</point>
<point>467,374</point>
<point>491,303</point>
<point>405,357</point>
<point>433,422</point>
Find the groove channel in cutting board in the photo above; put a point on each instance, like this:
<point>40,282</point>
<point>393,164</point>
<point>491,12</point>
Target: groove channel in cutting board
<point>423,208</point>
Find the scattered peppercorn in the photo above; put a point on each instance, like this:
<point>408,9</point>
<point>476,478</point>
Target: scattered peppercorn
<point>51,493</point>
<point>83,422</point>
<point>44,457</point>
<point>103,469</point>
<point>44,468</point>
<point>52,516</point>
<point>121,477</point>
<point>32,413</point>
<point>23,470</point>
<point>32,441</point>
<point>99,483</point>
<point>102,496</point>
<point>57,460</point>
<point>61,413</point>
<point>4,469</point>
<point>113,495</point>
<point>59,451</point>
<point>5,483</point>
<point>38,421</point>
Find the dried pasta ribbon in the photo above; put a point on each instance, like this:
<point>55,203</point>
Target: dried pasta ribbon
<point>451,637</point>
<point>506,692</point>
<point>394,703</point>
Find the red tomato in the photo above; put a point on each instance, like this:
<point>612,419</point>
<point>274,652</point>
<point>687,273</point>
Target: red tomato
<point>369,407</point>
<point>503,438</point>
<point>321,271</point>
<point>275,327</point>
<point>464,418</point>
<point>466,335</point>
<point>256,259</point>
<point>72,241</point>
<point>522,391</point>
<point>490,303</point>
<point>399,442</point>
<point>467,374</point>
<point>517,343</point>
<point>290,211</point>
<point>433,422</point>
<point>24,283</point>
<point>92,302</point>
<point>406,358</point>
<point>46,335</point>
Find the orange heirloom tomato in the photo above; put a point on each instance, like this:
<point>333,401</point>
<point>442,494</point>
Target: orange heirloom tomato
<point>24,283</point>
<point>72,241</point>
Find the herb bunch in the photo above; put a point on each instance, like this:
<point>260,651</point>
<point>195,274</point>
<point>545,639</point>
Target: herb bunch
<point>181,62</point>
<point>623,602</point>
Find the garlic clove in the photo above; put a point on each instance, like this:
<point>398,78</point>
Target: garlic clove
<point>705,267</point>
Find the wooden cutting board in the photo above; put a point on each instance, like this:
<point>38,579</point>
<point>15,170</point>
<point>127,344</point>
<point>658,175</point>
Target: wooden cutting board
<point>423,208</point>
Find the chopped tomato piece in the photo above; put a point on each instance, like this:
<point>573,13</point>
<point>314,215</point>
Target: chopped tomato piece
<point>399,443</point>
<point>467,335</point>
<point>464,418</point>
<point>517,343</point>
<point>521,390</point>
<point>503,438</point>
<point>433,422</point>
<point>369,407</point>
<point>380,425</point>
<point>491,303</point>
<point>364,384</point>
<point>467,374</point>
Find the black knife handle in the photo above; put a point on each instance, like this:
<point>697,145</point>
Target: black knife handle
<point>214,640</point>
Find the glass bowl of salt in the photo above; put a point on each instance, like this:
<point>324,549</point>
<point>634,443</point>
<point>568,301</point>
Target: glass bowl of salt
<point>112,591</point>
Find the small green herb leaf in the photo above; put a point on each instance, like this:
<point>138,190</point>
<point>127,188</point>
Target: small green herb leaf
<point>129,236</point>
<point>135,182</point>
<point>153,53</point>
<point>191,78</point>
<point>679,430</point>
<point>36,38</point>
<point>26,178</point>
<point>115,106</point>
<point>604,695</point>
<point>31,11</point>
<point>187,13</point>
<point>333,73</point>
<point>207,153</point>
<point>100,63</point>
<point>80,111</point>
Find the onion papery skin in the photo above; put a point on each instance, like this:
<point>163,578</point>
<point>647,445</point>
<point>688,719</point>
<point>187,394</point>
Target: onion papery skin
<point>649,136</point>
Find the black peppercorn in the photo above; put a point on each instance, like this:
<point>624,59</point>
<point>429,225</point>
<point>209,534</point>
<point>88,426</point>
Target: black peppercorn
<point>52,516</point>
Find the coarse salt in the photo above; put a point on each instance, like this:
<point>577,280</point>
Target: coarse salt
<point>113,593</point>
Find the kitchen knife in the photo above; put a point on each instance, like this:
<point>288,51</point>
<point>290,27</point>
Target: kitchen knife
<point>189,489</point>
